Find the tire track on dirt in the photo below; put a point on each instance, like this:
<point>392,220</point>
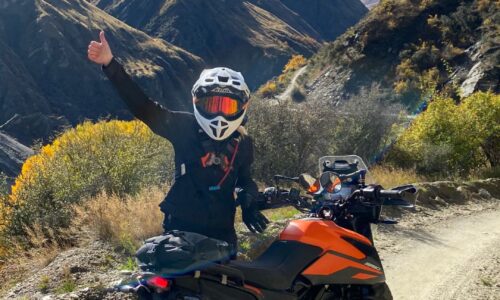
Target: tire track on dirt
<point>443,262</point>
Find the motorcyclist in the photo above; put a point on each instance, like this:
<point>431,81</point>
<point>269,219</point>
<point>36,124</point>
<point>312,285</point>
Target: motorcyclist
<point>213,153</point>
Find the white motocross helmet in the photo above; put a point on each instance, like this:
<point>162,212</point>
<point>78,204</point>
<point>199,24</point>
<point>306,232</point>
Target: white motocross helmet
<point>220,101</point>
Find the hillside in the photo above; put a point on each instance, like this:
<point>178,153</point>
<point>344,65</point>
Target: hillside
<point>45,76</point>
<point>255,37</point>
<point>412,48</point>
<point>329,18</point>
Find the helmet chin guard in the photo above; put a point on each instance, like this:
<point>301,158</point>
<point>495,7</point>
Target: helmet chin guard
<point>218,128</point>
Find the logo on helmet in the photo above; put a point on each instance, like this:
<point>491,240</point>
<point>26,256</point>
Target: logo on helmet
<point>221,90</point>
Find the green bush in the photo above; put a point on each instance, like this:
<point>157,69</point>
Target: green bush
<point>286,137</point>
<point>290,137</point>
<point>116,157</point>
<point>450,139</point>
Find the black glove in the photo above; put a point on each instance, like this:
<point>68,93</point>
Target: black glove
<point>252,217</point>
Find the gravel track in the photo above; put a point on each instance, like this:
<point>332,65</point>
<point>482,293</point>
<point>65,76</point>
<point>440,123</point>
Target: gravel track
<point>454,259</point>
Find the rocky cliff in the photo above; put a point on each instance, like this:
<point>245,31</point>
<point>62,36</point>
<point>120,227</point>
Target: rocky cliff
<point>45,76</point>
<point>12,155</point>
<point>370,3</point>
<point>255,37</point>
<point>410,48</point>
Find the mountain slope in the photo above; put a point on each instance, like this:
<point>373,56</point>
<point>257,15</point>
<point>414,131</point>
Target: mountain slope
<point>255,37</point>
<point>46,78</point>
<point>329,18</point>
<point>412,48</point>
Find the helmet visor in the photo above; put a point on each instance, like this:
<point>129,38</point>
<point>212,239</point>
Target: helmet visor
<point>219,105</point>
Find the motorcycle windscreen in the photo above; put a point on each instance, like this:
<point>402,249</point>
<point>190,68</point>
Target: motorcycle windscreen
<point>344,164</point>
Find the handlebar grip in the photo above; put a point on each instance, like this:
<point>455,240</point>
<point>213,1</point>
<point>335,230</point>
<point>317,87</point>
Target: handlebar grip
<point>392,194</point>
<point>281,177</point>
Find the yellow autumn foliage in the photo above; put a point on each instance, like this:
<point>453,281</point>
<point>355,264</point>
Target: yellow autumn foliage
<point>296,62</point>
<point>268,90</point>
<point>116,157</point>
<point>452,139</point>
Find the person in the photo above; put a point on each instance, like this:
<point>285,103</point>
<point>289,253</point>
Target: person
<point>213,153</point>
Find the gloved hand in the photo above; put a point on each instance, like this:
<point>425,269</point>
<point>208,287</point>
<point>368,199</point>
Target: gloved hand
<point>252,217</point>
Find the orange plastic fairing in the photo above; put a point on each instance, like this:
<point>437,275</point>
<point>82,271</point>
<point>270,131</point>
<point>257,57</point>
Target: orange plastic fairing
<point>324,234</point>
<point>253,289</point>
<point>329,264</point>
<point>363,276</point>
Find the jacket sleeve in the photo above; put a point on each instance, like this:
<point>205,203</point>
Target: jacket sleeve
<point>245,180</point>
<point>160,119</point>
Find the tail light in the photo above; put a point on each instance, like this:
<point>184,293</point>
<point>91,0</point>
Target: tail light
<point>159,282</point>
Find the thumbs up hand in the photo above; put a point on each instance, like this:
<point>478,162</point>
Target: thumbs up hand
<point>100,52</point>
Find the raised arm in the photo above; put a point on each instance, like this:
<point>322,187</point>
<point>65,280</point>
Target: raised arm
<point>161,120</point>
<point>157,117</point>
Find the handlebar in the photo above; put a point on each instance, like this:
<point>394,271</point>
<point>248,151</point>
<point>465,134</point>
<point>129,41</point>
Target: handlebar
<point>282,177</point>
<point>351,175</point>
<point>273,197</point>
<point>364,202</point>
<point>391,194</point>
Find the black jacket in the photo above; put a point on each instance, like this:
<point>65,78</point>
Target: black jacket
<point>190,205</point>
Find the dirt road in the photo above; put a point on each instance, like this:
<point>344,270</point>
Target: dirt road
<point>286,94</point>
<point>454,259</point>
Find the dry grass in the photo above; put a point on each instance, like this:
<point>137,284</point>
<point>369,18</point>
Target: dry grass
<point>389,177</point>
<point>21,261</point>
<point>125,222</point>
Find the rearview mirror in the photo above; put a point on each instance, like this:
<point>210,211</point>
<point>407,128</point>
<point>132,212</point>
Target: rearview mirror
<point>328,181</point>
<point>306,181</point>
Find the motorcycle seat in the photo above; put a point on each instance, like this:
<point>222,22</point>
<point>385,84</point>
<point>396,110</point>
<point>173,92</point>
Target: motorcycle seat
<point>279,265</point>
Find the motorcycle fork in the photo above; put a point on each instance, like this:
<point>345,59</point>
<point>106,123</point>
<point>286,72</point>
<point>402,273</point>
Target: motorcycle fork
<point>363,227</point>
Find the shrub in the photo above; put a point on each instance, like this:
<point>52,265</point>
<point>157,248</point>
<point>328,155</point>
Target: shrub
<point>286,137</point>
<point>296,62</point>
<point>451,139</point>
<point>482,111</point>
<point>268,90</point>
<point>117,157</point>
<point>484,5</point>
<point>290,138</point>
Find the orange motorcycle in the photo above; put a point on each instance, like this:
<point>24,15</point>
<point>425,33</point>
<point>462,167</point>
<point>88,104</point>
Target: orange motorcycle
<point>328,255</point>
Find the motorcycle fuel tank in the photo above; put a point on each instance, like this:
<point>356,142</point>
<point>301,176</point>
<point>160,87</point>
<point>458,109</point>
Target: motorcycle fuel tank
<point>347,258</point>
